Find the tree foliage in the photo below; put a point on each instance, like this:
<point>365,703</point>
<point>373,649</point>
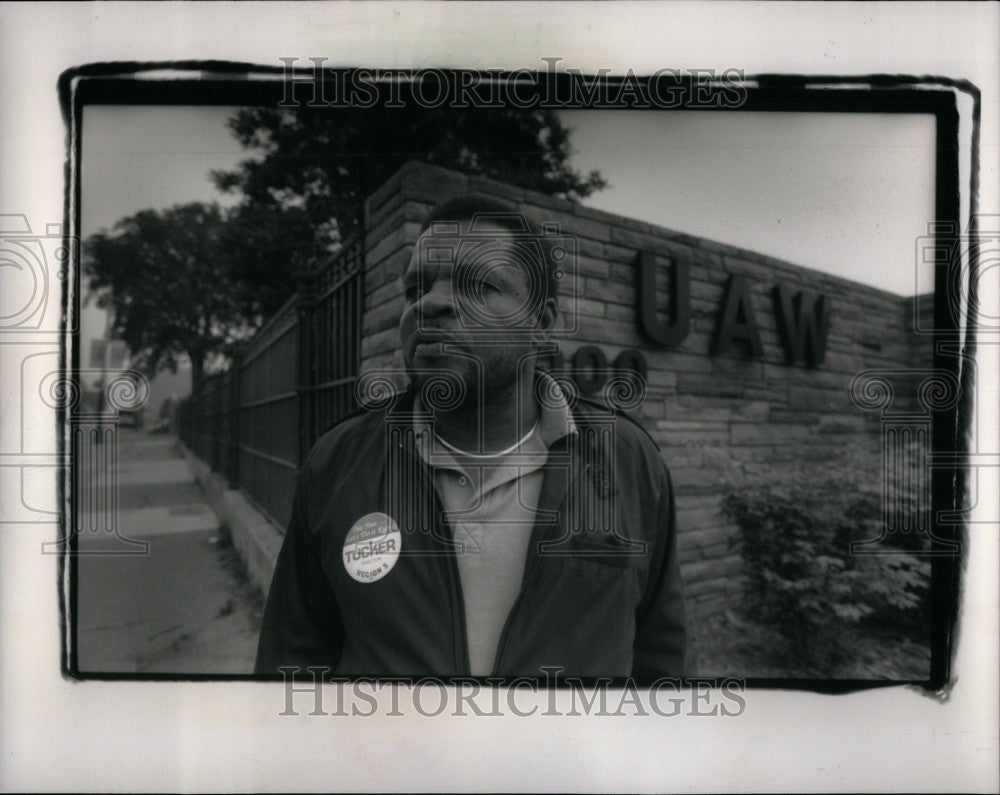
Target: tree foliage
<point>169,284</point>
<point>316,167</point>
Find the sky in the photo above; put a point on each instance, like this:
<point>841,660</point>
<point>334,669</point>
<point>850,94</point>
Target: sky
<point>139,157</point>
<point>847,194</point>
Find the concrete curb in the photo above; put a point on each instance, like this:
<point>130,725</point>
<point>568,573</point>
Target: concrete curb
<point>256,538</point>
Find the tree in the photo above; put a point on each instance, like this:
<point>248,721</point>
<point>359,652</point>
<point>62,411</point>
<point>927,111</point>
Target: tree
<point>266,248</point>
<point>321,164</point>
<point>168,280</point>
<point>192,280</point>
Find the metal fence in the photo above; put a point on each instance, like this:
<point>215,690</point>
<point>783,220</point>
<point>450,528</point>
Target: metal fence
<point>254,423</point>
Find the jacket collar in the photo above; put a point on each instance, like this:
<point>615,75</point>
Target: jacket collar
<point>587,432</point>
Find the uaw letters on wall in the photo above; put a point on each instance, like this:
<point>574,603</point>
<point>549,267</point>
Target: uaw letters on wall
<point>803,320</point>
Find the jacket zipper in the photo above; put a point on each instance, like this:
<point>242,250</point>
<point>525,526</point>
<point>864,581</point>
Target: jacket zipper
<point>458,603</point>
<point>456,597</point>
<point>455,583</point>
<point>530,575</point>
<point>529,578</point>
<point>532,568</point>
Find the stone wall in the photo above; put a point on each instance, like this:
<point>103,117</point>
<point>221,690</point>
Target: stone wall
<point>719,419</point>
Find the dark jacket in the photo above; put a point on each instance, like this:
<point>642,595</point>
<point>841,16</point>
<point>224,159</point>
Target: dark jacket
<point>601,593</point>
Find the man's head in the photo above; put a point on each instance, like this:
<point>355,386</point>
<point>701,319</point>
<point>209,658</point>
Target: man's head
<point>480,294</point>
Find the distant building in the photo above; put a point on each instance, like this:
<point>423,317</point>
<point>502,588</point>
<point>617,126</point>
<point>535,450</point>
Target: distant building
<point>100,355</point>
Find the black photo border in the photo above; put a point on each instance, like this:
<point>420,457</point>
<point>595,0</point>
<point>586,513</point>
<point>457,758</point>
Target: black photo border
<point>236,84</point>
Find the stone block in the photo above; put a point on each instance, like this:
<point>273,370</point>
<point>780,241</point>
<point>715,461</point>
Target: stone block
<point>401,213</point>
<point>707,291</point>
<point>592,266</point>
<point>681,362</point>
<point>683,407</point>
<point>404,235</point>
<point>697,587</point>
<point>540,202</point>
<point>713,568</point>
<point>386,191</point>
<point>502,190</point>
<point>818,399</point>
<point>638,241</point>
<point>598,331</point>
<point>384,316</point>
<point>622,273</point>
<point>700,520</point>
<point>716,535</point>
<point>736,367</point>
<point>694,435</point>
<point>688,457</point>
<point>568,224</point>
<point>585,306</point>
<point>388,291</point>
<point>658,378</point>
<point>651,410</point>
<point>693,480</point>
<point>380,342</point>
<point>389,268</point>
<point>626,314</point>
<point>841,424</point>
<point>695,501</point>
<point>615,253</point>
<point>697,383</point>
<point>606,291</point>
<point>427,182</point>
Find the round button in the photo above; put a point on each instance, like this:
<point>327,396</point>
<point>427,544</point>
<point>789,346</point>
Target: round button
<point>463,480</point>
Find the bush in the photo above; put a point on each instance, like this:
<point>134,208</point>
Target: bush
<point>801,578</point>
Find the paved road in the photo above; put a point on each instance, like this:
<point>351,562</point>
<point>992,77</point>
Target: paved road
<point>182,607</point>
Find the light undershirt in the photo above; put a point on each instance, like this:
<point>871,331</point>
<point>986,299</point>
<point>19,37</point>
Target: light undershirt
<point>490,503</point>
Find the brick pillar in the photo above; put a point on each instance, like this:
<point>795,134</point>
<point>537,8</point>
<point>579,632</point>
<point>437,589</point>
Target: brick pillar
<point>393,216</point>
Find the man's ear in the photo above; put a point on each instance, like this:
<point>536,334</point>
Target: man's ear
<point>549,315</point>
<point>546,322</point>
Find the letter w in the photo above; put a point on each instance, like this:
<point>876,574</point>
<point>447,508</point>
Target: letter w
<point>803,319</point>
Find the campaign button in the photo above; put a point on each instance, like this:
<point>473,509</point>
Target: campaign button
<point>371,547</point>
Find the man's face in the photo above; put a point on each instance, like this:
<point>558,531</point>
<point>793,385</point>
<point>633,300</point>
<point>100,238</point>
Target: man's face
<point>461,294</point>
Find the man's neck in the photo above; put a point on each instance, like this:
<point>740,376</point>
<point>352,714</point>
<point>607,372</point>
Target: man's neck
<point>493,423</point>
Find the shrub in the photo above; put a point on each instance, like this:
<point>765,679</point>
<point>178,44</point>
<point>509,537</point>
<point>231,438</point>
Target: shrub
<point>801,577</point>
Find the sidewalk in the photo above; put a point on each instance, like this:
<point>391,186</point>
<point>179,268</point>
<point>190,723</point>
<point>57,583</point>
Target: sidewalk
<point>183,607</point>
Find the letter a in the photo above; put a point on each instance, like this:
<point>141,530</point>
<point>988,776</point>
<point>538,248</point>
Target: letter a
<point>737,320</point>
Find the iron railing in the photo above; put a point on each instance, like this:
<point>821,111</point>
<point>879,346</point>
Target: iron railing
<point>254,423</point>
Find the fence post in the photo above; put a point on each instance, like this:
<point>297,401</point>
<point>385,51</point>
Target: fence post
<point>233,473</point>
<point>179,422</point>
<point>216,422</point>
<point>306,369</point>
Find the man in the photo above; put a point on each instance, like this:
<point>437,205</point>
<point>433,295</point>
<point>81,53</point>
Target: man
<point>479,524</point>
